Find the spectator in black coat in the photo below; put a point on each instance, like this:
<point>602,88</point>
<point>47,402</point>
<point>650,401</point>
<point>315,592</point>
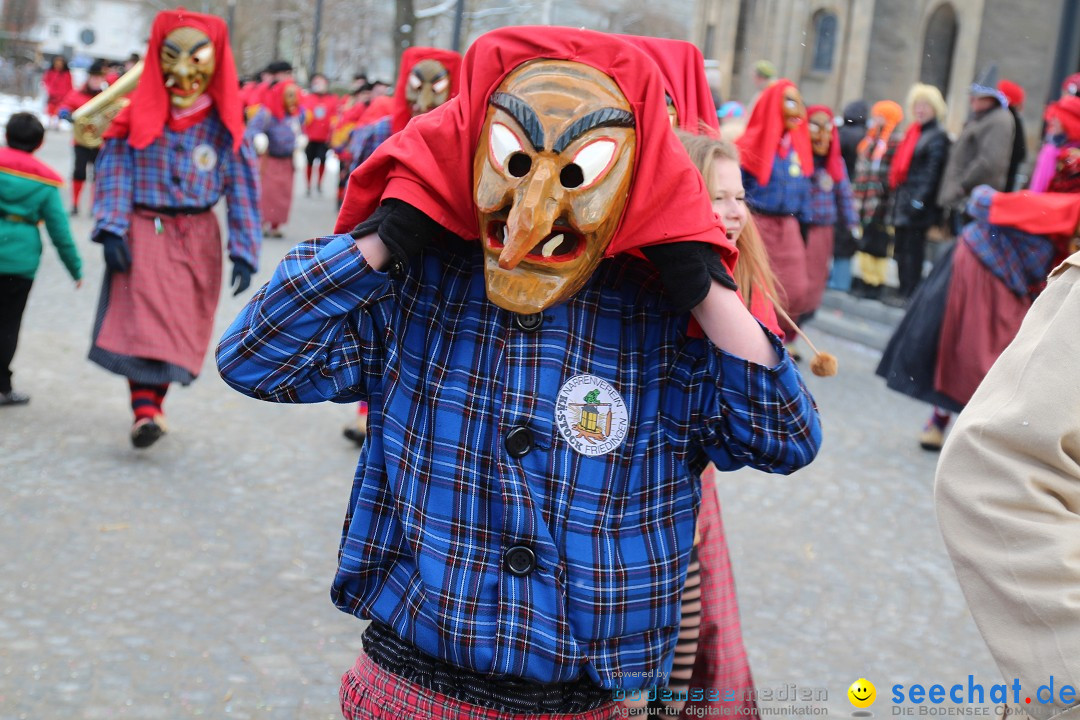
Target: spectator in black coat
<point>914,177</point>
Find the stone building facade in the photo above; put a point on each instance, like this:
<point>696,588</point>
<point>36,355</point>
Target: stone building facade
<point>842,50</point>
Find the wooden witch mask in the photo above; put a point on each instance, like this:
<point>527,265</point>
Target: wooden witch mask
<point>552,173</point>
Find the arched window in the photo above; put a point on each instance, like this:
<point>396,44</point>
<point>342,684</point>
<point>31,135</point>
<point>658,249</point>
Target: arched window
<point>824,41</point>
<point>938,45</point>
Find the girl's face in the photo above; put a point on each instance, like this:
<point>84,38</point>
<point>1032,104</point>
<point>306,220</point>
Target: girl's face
<point>729,198</point>
<point>923,111</point>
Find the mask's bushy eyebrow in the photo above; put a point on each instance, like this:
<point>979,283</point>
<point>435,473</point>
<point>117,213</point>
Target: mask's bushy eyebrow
<point>607,117</point>
<point>524,115</point>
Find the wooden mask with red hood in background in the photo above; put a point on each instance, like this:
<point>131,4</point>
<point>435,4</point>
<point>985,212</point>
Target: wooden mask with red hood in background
<point>188,59</point>
<point>550,130</point>
<point>429,77</point>
<point>777,124</point>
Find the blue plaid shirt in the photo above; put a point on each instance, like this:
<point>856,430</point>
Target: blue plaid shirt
<point>784,194</point>
<point>439,497</point>
<point>281,134</point>
<point>189,169</point>
<point>827,197</point>
<point>366,139</point>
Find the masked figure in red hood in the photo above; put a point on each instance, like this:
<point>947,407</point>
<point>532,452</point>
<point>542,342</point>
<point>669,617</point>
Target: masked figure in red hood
<point>429,78</point>
<point>689,100</point>
<point>831,199</point>
<point>166,160</point>
<point>533,382</point>
<point>777,163</point>
<point>278,121</point>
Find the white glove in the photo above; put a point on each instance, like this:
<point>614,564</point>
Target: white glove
<point>301,142</point>
<point>261,143</point>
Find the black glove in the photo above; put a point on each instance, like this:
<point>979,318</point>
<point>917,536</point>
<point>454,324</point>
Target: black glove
<point>403,229</point>
<point>117,252</point>
<point>241,276</point>
<point>687,270</point>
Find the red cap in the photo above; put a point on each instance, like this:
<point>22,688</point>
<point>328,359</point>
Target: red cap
<point>1012,92</point>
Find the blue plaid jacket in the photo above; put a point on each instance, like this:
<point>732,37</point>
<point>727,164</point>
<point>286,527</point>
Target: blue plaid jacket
<point>784,194</point>
<point>280,134</point>
<point>189,169</point>
<point>366,139</point>
<point>442,494</point>
<point>829,199</point>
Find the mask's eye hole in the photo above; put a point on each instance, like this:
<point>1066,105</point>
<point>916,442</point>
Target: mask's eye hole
<point>503,144</point>
<point>204,55</point>
<point>519,164</point>
<point>593,161</point>
<point>441,85</point>
<point>415,82</point>
<point>571,176</point>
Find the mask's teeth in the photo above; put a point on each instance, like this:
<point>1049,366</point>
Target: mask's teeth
<point>170,82</point>
<point>504,237</point>
<point>552,245</point>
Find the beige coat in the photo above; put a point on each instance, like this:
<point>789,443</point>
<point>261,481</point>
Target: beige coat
<point>1008,499</point>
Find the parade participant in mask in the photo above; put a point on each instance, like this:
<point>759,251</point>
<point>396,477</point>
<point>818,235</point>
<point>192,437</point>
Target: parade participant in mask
<point>777,161</point>
<point>689,99</point>
<point>279,121</point>
<point>166,160</point>
<point>57,83</point>
<point>542,397</point>
<point>84,156</point>
<point>830,199</point>
<point>320,106</point>
<point>429,77</point>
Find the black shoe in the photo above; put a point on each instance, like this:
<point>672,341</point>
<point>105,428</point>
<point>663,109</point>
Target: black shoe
<point>13,398</point>
<point>146,432</point>
<point>894,299</point>
<point>74,212</point>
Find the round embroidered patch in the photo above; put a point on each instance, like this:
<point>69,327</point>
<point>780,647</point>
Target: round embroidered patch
<point>591,415</point>
<point>204,157</point>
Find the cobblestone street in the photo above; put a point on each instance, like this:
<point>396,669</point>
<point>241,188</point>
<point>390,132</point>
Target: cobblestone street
<point>192,580</point>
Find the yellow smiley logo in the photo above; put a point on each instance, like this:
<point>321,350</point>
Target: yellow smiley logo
<point>862,693</point>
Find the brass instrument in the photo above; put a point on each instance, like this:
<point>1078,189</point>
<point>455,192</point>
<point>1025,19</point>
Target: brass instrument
<point>93,118</point>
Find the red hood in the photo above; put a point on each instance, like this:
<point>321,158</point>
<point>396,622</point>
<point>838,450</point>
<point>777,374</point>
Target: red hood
<point>430,163</point>
<point>143,120</point>
<point>765,130</point>
<point>683,69</point>
<point>451,61</point>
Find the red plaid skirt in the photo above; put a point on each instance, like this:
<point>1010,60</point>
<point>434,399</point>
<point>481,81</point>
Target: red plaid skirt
<point>721,664</point>
<point>787,256</point>
<point>370,693</point>
<point>163,307</point>
<point>819,252</point>
<point>276,185</point>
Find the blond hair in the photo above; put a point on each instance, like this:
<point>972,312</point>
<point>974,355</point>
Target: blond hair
<point>931,96</point>
<point>752,270</point>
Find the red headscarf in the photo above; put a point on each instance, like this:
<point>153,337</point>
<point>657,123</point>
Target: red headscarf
<point>683,69</point>
<point>430,163</point>
<point>143,120</point>
<point>275,98</point>
<point>1071,85</point>
<point>901,161</point>
<point>764,132</point>
<point>450,60</point>
<point>834,163</point>
<point>1067,111</point>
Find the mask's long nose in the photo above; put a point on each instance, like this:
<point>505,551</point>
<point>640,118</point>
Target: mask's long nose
<point>532,214</point>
